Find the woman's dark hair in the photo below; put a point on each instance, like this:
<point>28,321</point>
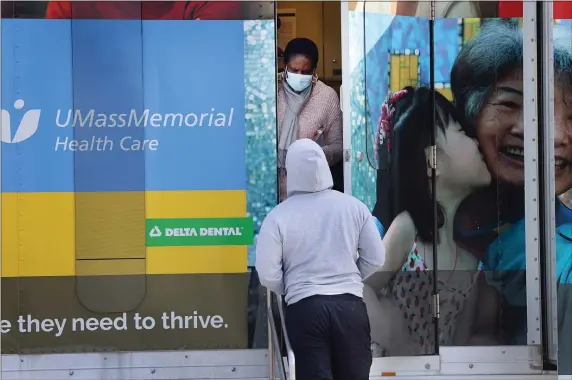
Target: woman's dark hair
<point>304,47</point>
<point>402,181</point>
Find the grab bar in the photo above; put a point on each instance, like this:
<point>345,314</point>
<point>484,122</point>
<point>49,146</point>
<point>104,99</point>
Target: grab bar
<point>274,344</point>
<point>275,355</point>
<point>289,350</point>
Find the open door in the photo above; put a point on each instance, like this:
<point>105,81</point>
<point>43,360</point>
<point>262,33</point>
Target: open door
<point>465,150</point>
<point>387,97</point>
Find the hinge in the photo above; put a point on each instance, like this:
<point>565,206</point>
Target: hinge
<point>347,155</point>
<point>435,305</point>
<point>433,157</point>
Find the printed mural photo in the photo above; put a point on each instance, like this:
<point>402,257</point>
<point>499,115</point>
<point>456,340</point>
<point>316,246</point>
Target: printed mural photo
<point>479,176</point>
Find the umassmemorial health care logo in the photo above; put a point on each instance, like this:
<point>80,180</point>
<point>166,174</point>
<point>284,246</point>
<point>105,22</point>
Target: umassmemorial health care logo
<point>12,134</point>
<point>102,124</point>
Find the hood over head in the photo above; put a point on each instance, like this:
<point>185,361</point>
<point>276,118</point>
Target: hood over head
<point>307,168</point>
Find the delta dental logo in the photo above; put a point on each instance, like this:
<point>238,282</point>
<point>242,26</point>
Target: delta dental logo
<point>155,232</point>
<point>106,123</point>
<point>199,231</point>
<point>27,127</point>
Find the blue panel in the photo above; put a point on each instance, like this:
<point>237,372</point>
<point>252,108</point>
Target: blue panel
<point>36,68</point>
<point>194,76</point>
<point>107,80</point>
<point>447,46</point>
<point>121,81</point>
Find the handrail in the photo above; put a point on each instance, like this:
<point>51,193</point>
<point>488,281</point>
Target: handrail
<point>274,344</point>
<point>289,350</point>
<point>271,332</point>
<point>275,356</point>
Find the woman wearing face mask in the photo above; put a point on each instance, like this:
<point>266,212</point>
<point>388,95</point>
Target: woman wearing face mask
<point>487,85</point>
<point>307,108</point>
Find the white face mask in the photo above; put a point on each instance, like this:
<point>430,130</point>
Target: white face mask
<point>298,82</point>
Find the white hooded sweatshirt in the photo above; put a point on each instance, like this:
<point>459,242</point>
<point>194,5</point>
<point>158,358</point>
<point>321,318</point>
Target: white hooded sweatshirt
<point>309,244</point>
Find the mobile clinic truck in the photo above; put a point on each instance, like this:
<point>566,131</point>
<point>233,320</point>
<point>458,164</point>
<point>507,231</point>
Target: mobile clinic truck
<point>138,161</point>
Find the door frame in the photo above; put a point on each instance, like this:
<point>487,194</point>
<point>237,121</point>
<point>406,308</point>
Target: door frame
<point>521,360</point>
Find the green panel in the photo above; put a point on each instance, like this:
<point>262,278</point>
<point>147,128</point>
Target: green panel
<point>199,232</point>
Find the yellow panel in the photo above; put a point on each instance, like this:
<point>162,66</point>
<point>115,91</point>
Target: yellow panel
<point>44,244</point>
<point>110,267</point>
<point>38,234</point>
<point>403,77</point>
<point>404,71</point>
<point>110,225</point>
<point>446,92</point>
<point>412,72</point>
<point>414,67</point>
<point>196,204</point>
<point>9,234</point>
<point>213,259</point>
<point>471,27</point>
<point>394,73</point>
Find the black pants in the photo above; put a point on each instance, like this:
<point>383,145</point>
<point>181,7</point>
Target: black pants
<point>330,336</point>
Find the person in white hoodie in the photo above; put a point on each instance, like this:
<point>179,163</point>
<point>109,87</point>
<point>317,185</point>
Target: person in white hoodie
<point>316,248</point>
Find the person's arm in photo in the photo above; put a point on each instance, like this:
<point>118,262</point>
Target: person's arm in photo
<point>214,10</point>
<point>370,248</point>
<point>478,322</point>
<point>397,241</point>
<point>333,133</point>
<point>485,330</point>
<point>466,323</point>
<point>269,257</point>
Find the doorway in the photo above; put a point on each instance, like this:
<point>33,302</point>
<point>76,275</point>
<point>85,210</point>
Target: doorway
<point>319,21</point>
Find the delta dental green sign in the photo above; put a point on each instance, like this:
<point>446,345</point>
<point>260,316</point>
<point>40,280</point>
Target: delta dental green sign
<point>199,232</point>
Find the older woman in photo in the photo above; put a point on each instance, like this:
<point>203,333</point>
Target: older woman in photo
<point>487,84</point>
